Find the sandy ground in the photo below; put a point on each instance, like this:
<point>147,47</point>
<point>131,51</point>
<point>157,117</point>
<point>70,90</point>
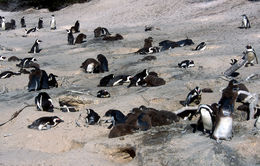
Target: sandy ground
<point>215,22</point>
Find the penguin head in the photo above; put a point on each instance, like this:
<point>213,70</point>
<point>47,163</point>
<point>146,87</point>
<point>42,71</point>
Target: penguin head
<point>68,30</point>
<point>248,47</point>
<point>2,58</point>
<point>52,16</point>
<point>38,41</point>
<point>3,19</point>
<point>33,59</point>
<point>57,119</point>
<point>198,90</point>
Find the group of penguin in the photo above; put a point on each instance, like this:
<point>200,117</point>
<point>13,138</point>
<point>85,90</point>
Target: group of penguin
<point>215,119</point>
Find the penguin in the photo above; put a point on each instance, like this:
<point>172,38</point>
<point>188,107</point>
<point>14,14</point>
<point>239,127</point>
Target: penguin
<point>148,28</point>
<point>233,61</point>
<point>105,80</point>
<point>53,23</point>
<point>119,80</point>
<point>25,63</point>
<point>43,102</point>
<point>35,48</point>
<point>2,58</point>
<point>202,46</point>
<point>52,82</point>
<point>13,59</point>
<point>45,123</point>
<point>245,22</point>
<point>10,25</point>
<point>185,42</point>
<point>152,81</point>
<point>186,64</point>
<point>70,37</point>
<point>8,74</point>
<point>144,122</point>
<point>207,118</point>
<point>38,79</point>
<point>103,94</point>
<point>250,56</point>
<point>34,29</point>
<point>23,25</point>
<point>121,130</point>
<point>92,117</point>
<point>113,38</point>
<point>101,32</point>
<point>147,44</point>
<point>134,81</point>
<point>194,96</point>
<point>152,50</point>
<point>91,66</point>
<point>103,63</point>
<point>76,26</point>
<point>3,23</point>
<point>80,38</point>
<point>117,117</point>
<point>40,23</point>
<point>44,82</point>
<point>167,44</point>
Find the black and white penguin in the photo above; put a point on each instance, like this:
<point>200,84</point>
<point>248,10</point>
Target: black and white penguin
<point>35,48</point>
<point>202,46</point>
<point>23,25</point>
<point>105,80</point>
<point>103,63</point>
<point>101,32</point>
<point>80,38</point>
<point>193,97</point>
<point>13,59</point>
<point>138,78</point>
<point>38,79</point>
<point>103,94</point>
<point>92,117</point>
<point>186,64</point>
<point>117,117</point>
<point>245,22</point>
<point>43,102</point>
<point>233,61</point>
<point>34,29</point>
<point>147,44</point>
<point>53,22</point>
<point>250,56</point>
<point>45,123</point>
<point>70,37</point>
<point>207,117</point>
<point>148,28</point>
<point>119,80</point>
<point>40,23</point>
<point>8,74</point>
<point>91,66</point>
<point>52,82</point>
<point>167,44</point>
<point>2,58</point>
<point>153,50</point>
<point>25,63</point>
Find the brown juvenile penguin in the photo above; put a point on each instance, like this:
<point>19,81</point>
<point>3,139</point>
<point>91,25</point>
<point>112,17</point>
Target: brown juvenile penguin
<point>152,81</point>
<point>80,38</point>
<point>121,130</point>
<point>147,45</point>
<point>113,38</point>
<point>90,66</point>
<point>101,31</point>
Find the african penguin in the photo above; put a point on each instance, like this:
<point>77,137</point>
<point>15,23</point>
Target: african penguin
<point>52,82</point>
<point>43,102</point>
<point>38,79</point>
<point>34,29</point>
<point>25,63</point>
<point>116,116</point>
<point>103,94</point>
<point>250,56</point>
<point>201,46</point>
<point>233,61</point>
<point>193,96</point>
<point>148,28</point>
<point>207,117</point>
<point>105,80</point>
<point>23,25</point>
<point>80,38</point>
<point>92,117</point>
<point>35,48</point>
<point>45,123</point>
<point>138,78</point>
<point>101,32</point>
<point>40,23</point>
<point>147,44</point>
<point>91,66</point>
<point>245,22</point>
<point>119,80</point>
<point>53,23</point>
<point>167,44</point>
<point>8,74</point>
<point>103,63</point>
<point>2,58</point>
<point>186,64</point>
<point>70,37</point>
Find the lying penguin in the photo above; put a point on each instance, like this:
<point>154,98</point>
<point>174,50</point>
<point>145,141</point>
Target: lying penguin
<point>45,123</point>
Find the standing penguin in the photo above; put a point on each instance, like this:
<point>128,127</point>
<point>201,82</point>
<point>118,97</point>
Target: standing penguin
<point>103,62</point>
<point>250,56</point>
<point>245,22</point>
<point>35,48</point>
<point>53,23</point>
<point>70,37</point>
<point>45,123</point>
<point>43,102</point>
<point>193,96</point>
<point>23,25</point>
<point>207,117</point>
<point>40,23</point>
